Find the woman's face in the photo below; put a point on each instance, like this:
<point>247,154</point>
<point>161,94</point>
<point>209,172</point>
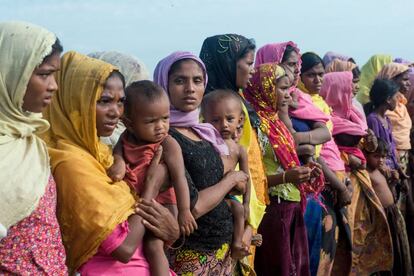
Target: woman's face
<point>355,86</point>
<point>292,63</point>
<point>186,86</point>
<point>403,81</point>
<point>245,69</point>
<point>313,78</point>
<point>282,92</point>
<point>110,106</point>
<point>42,85</point>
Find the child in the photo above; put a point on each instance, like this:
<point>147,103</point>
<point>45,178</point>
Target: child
<point>223,109</point>
<point>375,161</point>
<point>147,111</point>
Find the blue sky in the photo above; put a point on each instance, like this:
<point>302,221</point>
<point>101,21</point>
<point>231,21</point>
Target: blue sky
<point>152,29</point>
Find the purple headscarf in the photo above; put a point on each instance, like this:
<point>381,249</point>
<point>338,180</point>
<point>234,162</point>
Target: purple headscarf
<point>330,56</point>
<point>188,119</point>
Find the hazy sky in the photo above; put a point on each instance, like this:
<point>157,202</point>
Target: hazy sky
<point>152,29</point>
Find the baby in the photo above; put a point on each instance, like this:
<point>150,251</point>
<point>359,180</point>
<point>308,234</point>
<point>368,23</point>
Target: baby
<point>223,109</point>
<point>147,111</point>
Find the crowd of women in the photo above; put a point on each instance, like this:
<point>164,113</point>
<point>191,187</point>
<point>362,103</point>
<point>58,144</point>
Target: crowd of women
<point>239,161</point>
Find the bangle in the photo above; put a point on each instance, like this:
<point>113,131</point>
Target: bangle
<point>310,137</point>
<point>284,177</point>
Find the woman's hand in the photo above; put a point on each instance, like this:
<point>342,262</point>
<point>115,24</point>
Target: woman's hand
<point>344,196</point>
<point>298,175</point>
<point>239,180</point>
<point>158,220</point>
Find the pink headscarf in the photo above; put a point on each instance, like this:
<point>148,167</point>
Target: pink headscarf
<point>305,110</point>
<point>188,119</point>
<point>337,92</point>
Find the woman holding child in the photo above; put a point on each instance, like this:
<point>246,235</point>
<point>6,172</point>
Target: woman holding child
<point>102,231</point>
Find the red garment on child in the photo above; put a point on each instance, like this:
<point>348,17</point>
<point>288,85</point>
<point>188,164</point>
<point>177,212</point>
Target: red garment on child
<point>138,159</point>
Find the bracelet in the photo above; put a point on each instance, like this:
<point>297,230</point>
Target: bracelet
<point>310,137</point>
<point>284,177</point>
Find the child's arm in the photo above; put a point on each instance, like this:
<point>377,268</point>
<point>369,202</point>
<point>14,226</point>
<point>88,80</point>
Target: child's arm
<point>174,159</point>
<point>117,171</point>
<point>244,166</point>
<point>284,117</point>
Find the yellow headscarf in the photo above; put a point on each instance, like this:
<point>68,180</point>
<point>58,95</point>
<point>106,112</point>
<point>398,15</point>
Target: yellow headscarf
<point>24,163</point>
<point>90,205</point>
<point>368,74</point>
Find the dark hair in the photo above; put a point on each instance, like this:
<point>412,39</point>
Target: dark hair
<point>381,91</point>
<point>143,91</point>
<point>356,73</point>
<point>383,148</point>
<point>288,51</point>
<point>118,74</point>
<point>57,48</point>
<point>251,46</point>
<point>309,60</point>
<point>176,65</point>
<point>351,60</point>
<point>217,96</point>
<point>400,75</point>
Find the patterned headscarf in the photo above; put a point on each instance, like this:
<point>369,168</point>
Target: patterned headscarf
<point>261,93</point>
<point>220,54</point>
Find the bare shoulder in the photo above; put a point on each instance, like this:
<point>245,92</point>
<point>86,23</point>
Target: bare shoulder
<point>170,145</point>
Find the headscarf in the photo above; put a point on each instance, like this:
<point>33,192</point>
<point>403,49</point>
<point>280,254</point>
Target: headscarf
<point>403,61</point>
<point>305,110</point>
<point>132,70</point>
<point>331,56</point>
<point>337,92</point>
<point>410,96</point>
<point>24,161</point>
<point>339,66</point>
<point>220,54</point>
<point>90,205</point>
<point>261,93</point>
<point>188,119</point>
<point>368,74</point>
<point>399,117</point>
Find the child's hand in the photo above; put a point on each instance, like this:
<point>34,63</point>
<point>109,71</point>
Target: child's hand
<point>186,222</point>
<point>246,211</point>
<point>117,171</point>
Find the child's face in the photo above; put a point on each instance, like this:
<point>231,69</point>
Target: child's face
<point>375,160</point>
<point>225,116</point>
<point>150,121</point>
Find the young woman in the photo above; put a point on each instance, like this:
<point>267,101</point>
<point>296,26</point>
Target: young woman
<point>371,240</point>
<point>284,251</point>
<point>206,251</point>
<point>31,242</point>
<point>101,229</point>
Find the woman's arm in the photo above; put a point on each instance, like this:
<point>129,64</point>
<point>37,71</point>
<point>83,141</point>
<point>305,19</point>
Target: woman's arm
<point>295,175</point>
<point>210,197</point>
<point>318,135</point>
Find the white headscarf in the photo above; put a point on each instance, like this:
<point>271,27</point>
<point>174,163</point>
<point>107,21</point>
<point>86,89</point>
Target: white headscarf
<point>24,163</point>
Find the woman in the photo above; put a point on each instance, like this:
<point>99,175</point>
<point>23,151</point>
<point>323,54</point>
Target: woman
<point>101,232</point>
<point>371,240</point>
<point>133,70</point>
<point>206,251</point>
<point>284,251</point>
<point>399,117</point>
<point>31,242</point>
<point>368,74</point>
<point>229,61</point>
